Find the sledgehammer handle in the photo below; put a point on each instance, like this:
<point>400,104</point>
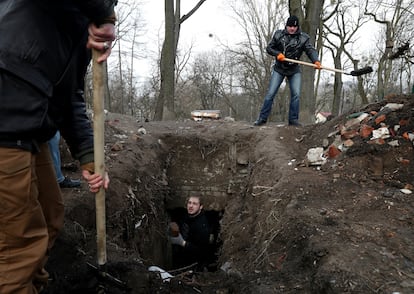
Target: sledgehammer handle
<point>313,65</point>
<point>99,79</point>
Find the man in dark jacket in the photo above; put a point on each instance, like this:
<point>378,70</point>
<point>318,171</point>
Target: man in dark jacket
<point>43,58</point>
<point>288,43</point>
<point>195,239</point>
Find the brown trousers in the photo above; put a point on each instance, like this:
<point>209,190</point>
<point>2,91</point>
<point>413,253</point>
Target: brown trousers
<point>31,215</point>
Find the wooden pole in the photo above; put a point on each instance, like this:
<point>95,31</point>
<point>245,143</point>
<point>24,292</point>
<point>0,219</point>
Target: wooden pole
<point>355,73</point>
<point>314,65</point>
<point>99,79</point>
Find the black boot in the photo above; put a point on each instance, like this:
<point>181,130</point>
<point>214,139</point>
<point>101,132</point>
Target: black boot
<point>260,122</point>
<point>69,183</point>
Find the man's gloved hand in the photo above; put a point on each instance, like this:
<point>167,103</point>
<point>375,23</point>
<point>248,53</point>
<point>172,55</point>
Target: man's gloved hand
<point>178,240</point>
<point>280,57</point>
<point>318,65</point>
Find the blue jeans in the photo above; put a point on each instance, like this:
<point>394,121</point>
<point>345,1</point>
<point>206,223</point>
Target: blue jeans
<point>276,80</point>
<point>55,153</point>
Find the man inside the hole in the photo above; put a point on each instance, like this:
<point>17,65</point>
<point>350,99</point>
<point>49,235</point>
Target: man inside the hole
<point>194,238</point>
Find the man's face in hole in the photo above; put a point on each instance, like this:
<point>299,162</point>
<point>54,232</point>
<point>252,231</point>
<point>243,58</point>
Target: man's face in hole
<point>193,206</point>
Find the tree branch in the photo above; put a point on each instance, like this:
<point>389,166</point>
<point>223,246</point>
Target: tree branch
<point>191,12</point>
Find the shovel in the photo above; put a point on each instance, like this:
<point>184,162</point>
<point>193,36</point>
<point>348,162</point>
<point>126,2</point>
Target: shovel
<point>99,79</point>
<point>99,82</point>
<point>358,72</point>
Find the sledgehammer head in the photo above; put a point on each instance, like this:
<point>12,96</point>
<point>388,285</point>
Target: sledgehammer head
<point>361,71</point>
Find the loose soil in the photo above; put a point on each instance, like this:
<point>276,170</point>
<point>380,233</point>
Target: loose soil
<point>286,227</point>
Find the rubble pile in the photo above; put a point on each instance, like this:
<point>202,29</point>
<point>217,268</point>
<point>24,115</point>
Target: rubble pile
<point>387,123</point>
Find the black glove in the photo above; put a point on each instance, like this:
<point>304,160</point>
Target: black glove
<point>178,240</point>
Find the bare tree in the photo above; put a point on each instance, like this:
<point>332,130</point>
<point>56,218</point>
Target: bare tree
<point>205,84</point>
<point>393,16</point>
<point>310,17</point>
<point>207,77</point>
<point>145,104</point>
<point>258,21</point>
<point>126,50</point>
<point>129,28</point>
<point>342,26</point>
<point>173,20</point>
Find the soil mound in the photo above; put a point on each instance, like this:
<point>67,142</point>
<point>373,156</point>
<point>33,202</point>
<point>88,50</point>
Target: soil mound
<point>288,225</point>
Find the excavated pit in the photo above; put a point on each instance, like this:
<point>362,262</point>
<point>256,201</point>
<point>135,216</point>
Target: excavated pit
<point>286,227</point>
<point>213,169</point>
<point>161,174</point>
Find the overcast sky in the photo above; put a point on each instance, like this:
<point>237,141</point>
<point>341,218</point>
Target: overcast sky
<point>210,18</point>
<point>204,30</point>
<point>209,26</point>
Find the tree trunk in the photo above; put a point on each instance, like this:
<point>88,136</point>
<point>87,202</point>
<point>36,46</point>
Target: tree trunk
<point>310,21</point>
<point>131,74</point>
<point>167,65</point>
<point>337,85</point>
<point>361,91</point>
<point>165,109</point>
<point>121,80</point>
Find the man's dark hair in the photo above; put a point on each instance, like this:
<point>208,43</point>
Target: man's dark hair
<point>200,199</point>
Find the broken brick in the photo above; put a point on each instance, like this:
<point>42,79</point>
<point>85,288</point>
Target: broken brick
<point>378,141</point>
<point>406,136</point>
<point>347,134</point>
<point>404,161</point>
<point>333,151</point>
<point>380,119</point>
<point>365,131</point>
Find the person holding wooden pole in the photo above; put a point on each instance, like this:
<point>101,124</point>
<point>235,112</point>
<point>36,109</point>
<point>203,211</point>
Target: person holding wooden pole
<point>43,58</point>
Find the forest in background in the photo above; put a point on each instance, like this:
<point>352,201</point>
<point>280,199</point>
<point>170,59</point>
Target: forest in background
<point>234,79</point>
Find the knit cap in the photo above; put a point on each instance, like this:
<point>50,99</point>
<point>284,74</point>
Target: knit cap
<point>292,21</point>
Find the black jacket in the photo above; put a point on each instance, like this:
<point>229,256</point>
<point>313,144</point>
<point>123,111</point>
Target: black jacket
<point>43,46</point>
<point>292,46</point>
<point>196,232</point>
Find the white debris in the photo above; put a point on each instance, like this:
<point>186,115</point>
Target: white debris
<point>362,116</point>
<point>142,131</point>
<point>381,133</point>
<point>320,118</point>
<point>121,136</point>
<point>199,115</point>
<point>393,106</point>
<point>165,276</point>
<point>394,143</point>
<point>139,222</point>
<point>226,266</point>
<point>315,156</point>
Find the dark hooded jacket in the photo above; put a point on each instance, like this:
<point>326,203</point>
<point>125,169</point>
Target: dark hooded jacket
<point>292,46</point>
<point>43,47</point>
<point>196,231</point>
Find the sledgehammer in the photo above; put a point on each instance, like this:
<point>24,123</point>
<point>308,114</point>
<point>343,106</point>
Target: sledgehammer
<point>358,72</point>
